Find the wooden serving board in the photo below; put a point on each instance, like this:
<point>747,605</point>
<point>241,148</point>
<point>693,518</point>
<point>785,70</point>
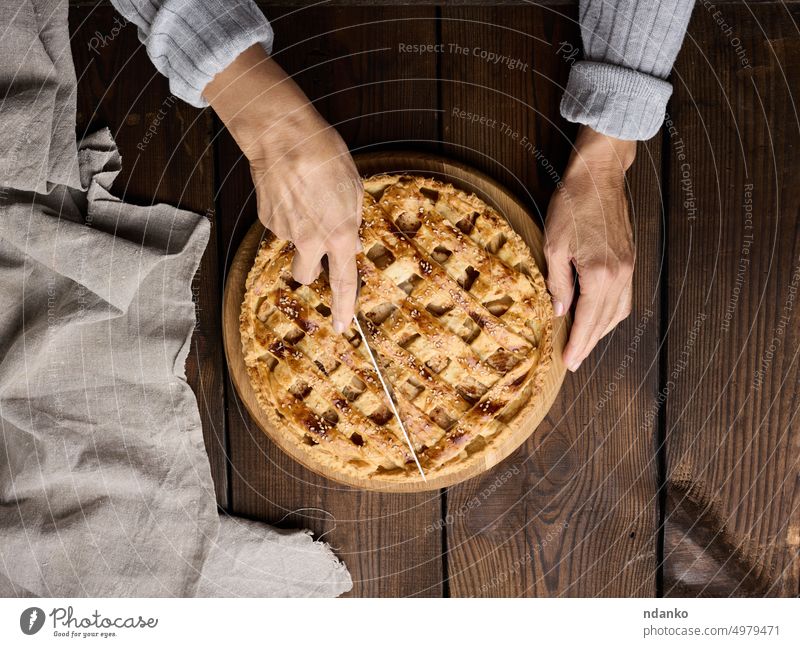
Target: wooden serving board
<point>466,179</point>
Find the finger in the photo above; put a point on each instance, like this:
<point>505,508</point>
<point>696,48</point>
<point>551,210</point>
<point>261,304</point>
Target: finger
<point>604,305</point>
<point>587,313</point>
<point>605,322</point>
<point>626,304</point>
<point>343,274</point>
<point>306,265</point>
<point>560,281</point>
<point>599,300</point>
<point>590,322</point>
<point>604,301</point>
<point>267,216</point>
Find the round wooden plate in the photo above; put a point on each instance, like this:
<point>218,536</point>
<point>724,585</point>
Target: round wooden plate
<point>462,177</point>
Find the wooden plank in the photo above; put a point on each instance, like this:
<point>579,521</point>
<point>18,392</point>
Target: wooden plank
<point>429,3</point>
<point>519,97</point>
<point>732,425</point>
<point>390,542</point>
<point>574,511</point>
<point>165,147</point>
<point>273,4</point>
<point>468,3</point>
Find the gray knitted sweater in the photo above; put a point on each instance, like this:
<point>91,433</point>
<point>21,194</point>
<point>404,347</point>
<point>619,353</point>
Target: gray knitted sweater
<point>620,89</point>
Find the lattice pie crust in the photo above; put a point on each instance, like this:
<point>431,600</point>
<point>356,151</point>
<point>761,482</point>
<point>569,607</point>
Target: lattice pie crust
<point>455,310</point>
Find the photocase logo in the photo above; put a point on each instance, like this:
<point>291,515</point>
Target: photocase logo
<point>67,624</point>
<point>31,620</point>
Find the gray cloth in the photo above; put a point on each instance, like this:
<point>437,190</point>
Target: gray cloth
<point>105,487</point>
<point>39,151</point>
<point>630,46</point>
<point>619,90</point>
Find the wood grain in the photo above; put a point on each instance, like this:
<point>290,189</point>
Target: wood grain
<point>165,147</point>
<point>573,513</point>
<point>431,3</point>
<point>732,429</point>
<point>390,542</point>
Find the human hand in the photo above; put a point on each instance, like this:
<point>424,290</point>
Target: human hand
<point>307,186</point>
<point>588,226</point>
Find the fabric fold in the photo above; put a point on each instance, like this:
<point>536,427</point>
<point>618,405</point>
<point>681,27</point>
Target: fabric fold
<point>621,89</point>
<point>191,41</point>
<point>615,101</point>
<point>38,81</point>
<point>105,485</point>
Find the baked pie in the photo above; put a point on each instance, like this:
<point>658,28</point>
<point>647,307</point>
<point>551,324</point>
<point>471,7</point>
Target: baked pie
<point>458,317</point>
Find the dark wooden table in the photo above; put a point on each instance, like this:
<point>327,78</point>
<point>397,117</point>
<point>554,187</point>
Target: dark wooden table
<point>669,463</point>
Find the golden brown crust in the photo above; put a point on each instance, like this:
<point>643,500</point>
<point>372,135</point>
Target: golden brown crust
<point>456,311</point>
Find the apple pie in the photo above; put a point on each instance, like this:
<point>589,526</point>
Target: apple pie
<point>455,311</point>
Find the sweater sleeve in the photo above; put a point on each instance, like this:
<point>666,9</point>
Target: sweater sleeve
<point>620,89</point>
<point>190,41</point>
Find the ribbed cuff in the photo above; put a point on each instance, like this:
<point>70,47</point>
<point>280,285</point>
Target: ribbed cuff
<point>616,101</point>
<point>192,41</point>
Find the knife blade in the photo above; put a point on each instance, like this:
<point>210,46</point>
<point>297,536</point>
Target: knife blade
<point>388,395</point>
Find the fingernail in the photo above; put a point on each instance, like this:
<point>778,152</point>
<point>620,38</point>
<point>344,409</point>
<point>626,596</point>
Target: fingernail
<point>575,366</point>
<point>558,308</point>
<point>338,327</point>
<point>359,247</point>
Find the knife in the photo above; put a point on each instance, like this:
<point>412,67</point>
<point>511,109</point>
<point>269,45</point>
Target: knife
<point>388,395</point>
